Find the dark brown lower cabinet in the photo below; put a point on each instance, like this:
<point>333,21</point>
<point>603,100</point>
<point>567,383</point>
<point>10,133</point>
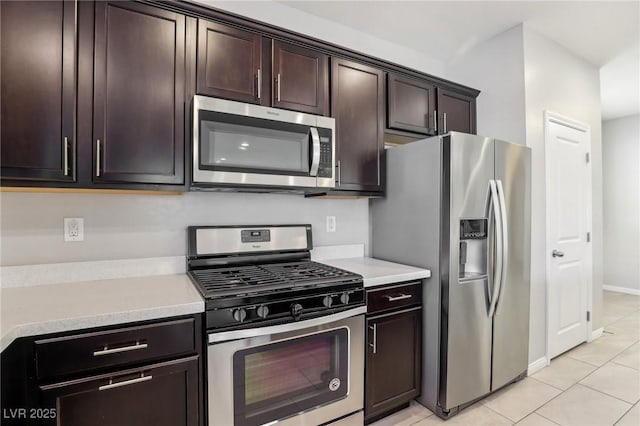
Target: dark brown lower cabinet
<point>393,362</point>
<point>164,394</point>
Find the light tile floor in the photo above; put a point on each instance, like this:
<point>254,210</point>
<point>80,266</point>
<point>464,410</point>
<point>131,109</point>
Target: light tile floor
<point>594,384</point>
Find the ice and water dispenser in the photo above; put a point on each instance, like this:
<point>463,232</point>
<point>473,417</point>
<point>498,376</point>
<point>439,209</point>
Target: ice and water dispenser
<point>473,248</point>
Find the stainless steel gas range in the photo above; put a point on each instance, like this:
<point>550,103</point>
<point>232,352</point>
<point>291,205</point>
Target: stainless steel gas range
<point>285,334</point>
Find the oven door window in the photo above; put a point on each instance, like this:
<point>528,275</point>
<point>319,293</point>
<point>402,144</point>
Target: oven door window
<point>281,379</point>
<point>253,145</point>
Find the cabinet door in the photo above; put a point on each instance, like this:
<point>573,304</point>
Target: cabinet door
<point>301,79</point>
<point>38,78</point>
<point>393,369</point>
<point>229,62</point>
<point>411,105</point>
<point>457,112</point>
<point>139,80</point>
<point>357,104</point>
<point>164,394</point>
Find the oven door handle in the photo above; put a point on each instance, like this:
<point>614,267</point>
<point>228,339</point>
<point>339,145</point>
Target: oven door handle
<point>282,328</point>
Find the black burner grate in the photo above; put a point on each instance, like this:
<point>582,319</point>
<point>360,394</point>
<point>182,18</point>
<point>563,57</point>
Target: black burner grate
<point>219,282</point>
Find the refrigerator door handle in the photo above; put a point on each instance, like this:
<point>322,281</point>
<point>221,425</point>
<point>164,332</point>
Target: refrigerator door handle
<point>497,275</point>
<point>505,239</point>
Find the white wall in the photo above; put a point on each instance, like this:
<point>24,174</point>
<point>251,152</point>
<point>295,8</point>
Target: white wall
<point>558,81</point>
<point>521,74</point>
<point>138,226</point>
<point>621,196</point>
<point>496,67</point>
<point>284,16</point>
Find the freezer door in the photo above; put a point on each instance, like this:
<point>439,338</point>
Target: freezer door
<point>468,162</point>
<point>511,320</point>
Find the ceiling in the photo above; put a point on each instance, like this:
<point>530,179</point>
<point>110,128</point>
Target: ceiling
<point>598,31</point>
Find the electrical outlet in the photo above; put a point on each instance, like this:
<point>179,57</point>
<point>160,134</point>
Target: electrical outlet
<point>73,229</point>
<point>331,224</point>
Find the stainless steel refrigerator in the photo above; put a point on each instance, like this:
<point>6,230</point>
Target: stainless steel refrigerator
<point>459,205</point>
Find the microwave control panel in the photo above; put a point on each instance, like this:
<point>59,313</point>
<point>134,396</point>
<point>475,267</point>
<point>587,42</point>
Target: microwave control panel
<point>325,168</point>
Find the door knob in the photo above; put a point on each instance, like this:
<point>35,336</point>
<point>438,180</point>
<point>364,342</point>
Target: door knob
<point>557,253</point>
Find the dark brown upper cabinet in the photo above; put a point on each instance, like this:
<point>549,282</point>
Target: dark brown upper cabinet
<point>411,105</point>
<point>301,79</point>
<point>229,62</point>
<point>37,113</point>
<point>357,104</point>
<point>246,67</point>
<point>138,101</point>
<point>456,112</point>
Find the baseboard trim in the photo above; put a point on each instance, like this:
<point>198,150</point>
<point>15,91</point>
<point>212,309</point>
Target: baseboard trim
<point>537,365</point>
<point>595,334</point>
<point>625,290</point>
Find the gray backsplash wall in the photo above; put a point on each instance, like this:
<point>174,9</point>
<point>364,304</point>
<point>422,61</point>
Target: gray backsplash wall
<point>119,226</point>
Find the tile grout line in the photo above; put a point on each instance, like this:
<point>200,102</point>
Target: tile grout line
<point>604,393</point>
<point>625,413</point>
<point>548,384</point>
<point>502,415</point>
<point>555,423</point>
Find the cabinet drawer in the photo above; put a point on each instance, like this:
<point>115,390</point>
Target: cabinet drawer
<point>394,296</point>
<point>91,351</point>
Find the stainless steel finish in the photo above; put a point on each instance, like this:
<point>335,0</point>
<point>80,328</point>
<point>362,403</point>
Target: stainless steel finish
<point>511,320</point>
<point>257,111</point>
<point>374,345</point>
<point>65,147</point>
<point>435,120</point>
<point>339,175</point>
<point>107,351</point>
<point>557,253</point>
<point>215,241</point>
<point>283,328</point>
<point>220,386</point>
<point>418,224</point>
<point>259,83</point>
<point>444,122</point>
<point>401,297</point>
<point>112,385</point>
<point>98,157</point>
<point>278,86</point>
<point>499,259</point>
<point>315,162</point>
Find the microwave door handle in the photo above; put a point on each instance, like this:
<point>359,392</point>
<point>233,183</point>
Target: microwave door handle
<point>315,159</point>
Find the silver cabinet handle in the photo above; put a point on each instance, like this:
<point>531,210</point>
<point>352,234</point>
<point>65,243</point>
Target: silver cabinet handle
<point>339,174</point>
<point>112,385</point>
<point>278,86</point>
<point>401,297</point>
<point>435,120</point>
<point>557,253</point>
<point>65,147</point>
<point>315,163</point>
<point>98,158</point>
<point>107,351</point>
<point>444,122</point>
<point>259,83</point>
<point>374,345</point>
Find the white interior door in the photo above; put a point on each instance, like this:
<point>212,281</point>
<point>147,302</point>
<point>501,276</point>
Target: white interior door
<point>567,145</point>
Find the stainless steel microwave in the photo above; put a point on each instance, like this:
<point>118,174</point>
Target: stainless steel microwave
<point>237,144</point>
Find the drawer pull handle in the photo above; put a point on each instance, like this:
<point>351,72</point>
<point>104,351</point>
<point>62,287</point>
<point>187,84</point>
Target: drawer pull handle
<point>107,351</point>
<point>401,297</point>
<point>112,385</point>
<point>374,345</point>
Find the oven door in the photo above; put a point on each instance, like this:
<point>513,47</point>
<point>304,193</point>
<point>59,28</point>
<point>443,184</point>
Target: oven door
<point>303,373</point>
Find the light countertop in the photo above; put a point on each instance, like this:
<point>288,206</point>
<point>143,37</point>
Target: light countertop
<point>35,310</point>
<point>378,272</point>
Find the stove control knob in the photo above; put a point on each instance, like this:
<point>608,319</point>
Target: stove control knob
<point>327,301</point>
<point>239,314</point>
<point>262,311</point>
<point>344,298</point>
<point>296,311</point>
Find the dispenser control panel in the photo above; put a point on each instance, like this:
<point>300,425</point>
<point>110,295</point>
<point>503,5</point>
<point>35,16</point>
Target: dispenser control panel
<point>473,229</point>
